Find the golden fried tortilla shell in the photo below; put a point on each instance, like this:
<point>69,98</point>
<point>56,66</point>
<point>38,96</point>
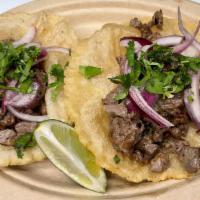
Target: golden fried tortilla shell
<point>83,100</point>
<point>51,31</point>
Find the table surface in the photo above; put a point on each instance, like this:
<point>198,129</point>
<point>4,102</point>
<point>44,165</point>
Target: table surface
<point>9,4</point>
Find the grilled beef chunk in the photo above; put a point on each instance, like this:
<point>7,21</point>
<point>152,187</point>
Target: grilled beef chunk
<point>7,137</point>
<point>25,127</point>
<point>139,138</point>
<point>159,163</point>
<point>8,120</point>
<point>189,156</point>
<point>145,28</point>
<point>126,128</point>
<point>147,146</point>
<point>125,132</point>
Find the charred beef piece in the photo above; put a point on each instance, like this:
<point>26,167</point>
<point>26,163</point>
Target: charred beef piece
<point>159,163</point>
<point>145,28</point>
<point>8,120</point>
<point>147,146</point>
<point>125,128</point>
<point>25,127</point>
<point>174,110</point>
<point>125,132</point>
<point>7,137</point>
<point>189,156</point>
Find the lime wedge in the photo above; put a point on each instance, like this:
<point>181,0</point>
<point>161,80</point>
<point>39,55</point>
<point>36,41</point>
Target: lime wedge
<point>61,145</point>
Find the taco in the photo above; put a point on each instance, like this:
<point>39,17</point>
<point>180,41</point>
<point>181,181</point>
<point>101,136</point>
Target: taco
<point>132,93</point>
<point>32,49</point>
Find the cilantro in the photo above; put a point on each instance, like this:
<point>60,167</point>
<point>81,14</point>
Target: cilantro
<point>26,86</point>
<point>130,54</point>
<point>58,72</point>
<point>121,95</point>
<point>116,159</point>
<point>89,71</point>
<point>158,71</point>
<point>23,142</point>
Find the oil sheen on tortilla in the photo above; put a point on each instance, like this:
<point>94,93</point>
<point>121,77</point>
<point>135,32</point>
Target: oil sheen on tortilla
<point>83,102</point>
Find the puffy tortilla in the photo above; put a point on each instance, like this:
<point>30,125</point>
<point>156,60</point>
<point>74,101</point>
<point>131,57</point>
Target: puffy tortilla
<point>83,103</point>
<point>51,31</point>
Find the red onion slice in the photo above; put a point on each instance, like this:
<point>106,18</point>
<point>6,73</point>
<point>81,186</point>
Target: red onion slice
<point>184,45</point>
<point>191,51</point>
<point>169,40</point>
<point>58,49</point>
<point>33,44</point>
<point>27,38</point>
<point>138,42</point>
<point>193,107</point>
<point>148,110</point>
<point>184,31</point>
<point>20,100</point>
<point>27,117</point>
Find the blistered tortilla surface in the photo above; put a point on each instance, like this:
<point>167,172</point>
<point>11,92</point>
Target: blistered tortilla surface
<point>83,103</point>
<point>51,31</point>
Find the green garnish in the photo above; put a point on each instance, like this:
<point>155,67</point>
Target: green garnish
<point>16,64</point>
<point>116,159</point>
<point>89,71</point>
<point>129,54</point>
<point>190,96</point>
<point>158,71</point>
<point>58,73</point>
<point>23,142</point>
<point>121,95</point>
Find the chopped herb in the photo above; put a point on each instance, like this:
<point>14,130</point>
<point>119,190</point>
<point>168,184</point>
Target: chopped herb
<point>9,88</point>
<point>130,54</point>
<point>58,73</point>
<point>121,95</point>
<point>23,142</point>
<point>16,64</point>
<point>116,159</point>
<point>191,96</point>
<point>158,71</point>
<point>26,86</point>
<point>89,71</point>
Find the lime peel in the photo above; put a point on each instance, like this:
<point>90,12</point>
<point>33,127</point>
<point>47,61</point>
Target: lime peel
<point>64,155</point>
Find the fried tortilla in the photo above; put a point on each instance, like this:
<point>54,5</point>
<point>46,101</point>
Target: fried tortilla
<point>84,108</point>
<point>51,31</point>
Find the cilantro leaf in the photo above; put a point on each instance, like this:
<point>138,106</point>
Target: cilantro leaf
<point>116,159</point>
<point>121,95</point>
<point>57,72</point>
<point>89,71</point>
<point>23,142</point>
<point>158,71</point>
<point>130,55</point>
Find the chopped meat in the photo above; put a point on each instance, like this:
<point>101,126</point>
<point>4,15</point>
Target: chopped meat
<point>147,146</point>
<point>145,28</point>
<point>159,163</point>
<point>25,127</point>
<point>116,109</point>
<point>125,132</point>
<point>158,135</point>
<point>2,113</point>
<point>125,128</point>
<point>8,120</point>
<point>141,157</point>
<point>179,132</point>
<point>190,158</point>
<point>7,137</point>
<point>157,19</point>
